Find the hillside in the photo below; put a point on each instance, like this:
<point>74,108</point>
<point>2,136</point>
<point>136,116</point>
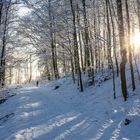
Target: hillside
<point>46,113</point>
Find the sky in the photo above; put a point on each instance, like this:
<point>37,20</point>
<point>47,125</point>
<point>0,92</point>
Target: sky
<point>23,11</point>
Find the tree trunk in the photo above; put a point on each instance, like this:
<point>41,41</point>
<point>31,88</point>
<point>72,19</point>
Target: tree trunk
<point>109,48</point>
<point>129,47</point>
<point>76,47</point>
<point>114,40</point>
<point>87,55</point>
<point>122,50</point>
<point>53,44</point>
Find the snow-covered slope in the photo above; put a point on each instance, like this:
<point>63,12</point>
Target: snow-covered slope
<point>42,113</point>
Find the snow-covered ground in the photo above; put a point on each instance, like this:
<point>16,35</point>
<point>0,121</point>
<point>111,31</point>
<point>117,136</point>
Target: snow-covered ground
<point>42,113</point>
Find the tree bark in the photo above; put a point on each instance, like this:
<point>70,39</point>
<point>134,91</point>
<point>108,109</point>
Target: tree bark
<point>129,47</point>
<point>123,51</point>
<point>76,46</point>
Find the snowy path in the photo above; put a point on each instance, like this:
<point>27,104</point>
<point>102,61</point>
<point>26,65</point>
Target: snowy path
<point>64,114</point>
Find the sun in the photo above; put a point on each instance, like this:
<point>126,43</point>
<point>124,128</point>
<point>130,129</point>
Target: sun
<point>136,39</point>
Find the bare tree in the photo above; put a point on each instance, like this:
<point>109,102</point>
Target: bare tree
<point>123,50</point>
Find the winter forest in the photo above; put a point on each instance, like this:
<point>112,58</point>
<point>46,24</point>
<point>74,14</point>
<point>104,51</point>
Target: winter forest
<point>69,69</point>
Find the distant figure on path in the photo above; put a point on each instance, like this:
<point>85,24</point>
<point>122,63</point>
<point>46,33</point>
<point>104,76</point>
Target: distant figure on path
<point>37,83</point>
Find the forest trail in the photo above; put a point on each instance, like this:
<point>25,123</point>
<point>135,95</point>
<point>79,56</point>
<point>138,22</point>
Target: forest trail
<point>42,113</point>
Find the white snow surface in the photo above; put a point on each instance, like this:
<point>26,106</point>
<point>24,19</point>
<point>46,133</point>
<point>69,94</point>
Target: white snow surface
<point>42,113</point>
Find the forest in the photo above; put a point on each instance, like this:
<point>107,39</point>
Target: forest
<point>69,69</point>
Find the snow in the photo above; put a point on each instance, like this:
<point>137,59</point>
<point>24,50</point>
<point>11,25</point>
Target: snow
<point>43,113</point>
